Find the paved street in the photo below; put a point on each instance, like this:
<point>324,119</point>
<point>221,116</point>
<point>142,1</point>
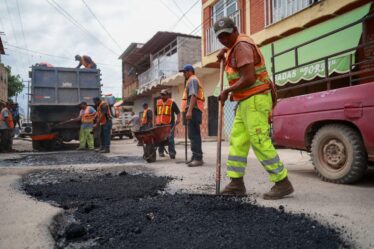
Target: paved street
<point>347,207</point>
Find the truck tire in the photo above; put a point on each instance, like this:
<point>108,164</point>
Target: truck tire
<point>44,145</point>
<point>36,145</point>
<point>338,154</point>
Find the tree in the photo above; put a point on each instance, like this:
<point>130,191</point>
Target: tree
<point>15,85</point>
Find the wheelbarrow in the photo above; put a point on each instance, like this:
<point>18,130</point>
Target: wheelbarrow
<point>152,139</point>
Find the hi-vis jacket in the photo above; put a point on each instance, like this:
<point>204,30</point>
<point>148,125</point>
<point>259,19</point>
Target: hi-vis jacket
<point>164,112</point>
<point>200,95</point>
<point>262,82</point>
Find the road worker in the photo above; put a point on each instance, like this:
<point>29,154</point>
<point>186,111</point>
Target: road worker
<point>165,110</point>
<point>251,87</point>
<point>6,127</point>
<point>192,108</point>
<point>86,61</point>
<point>87,116</point>
<point>147,118</point>
<point>104,121</point>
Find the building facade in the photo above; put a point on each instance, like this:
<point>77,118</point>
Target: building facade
<point>301,40</point>
<point>152,66</point>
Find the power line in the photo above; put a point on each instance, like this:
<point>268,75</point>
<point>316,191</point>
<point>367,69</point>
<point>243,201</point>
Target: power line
<point>51,55</point>
<point>181,11</point>
<point>13,31</point>
<point>197,29</point>
<point>22,29</point>
<point>170,9</point>
<point>185,13</point>
<point>71,19</point>
<point>98,21</point>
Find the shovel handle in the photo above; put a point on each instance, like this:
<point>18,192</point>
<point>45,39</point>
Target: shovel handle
<point>219,139</point>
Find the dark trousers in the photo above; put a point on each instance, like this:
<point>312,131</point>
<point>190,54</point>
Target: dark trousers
<point>17,121</point>
<point>194,134</point>
<point>145,127</point>
<point>6,140</point>
<point>171,145</point>
<point>105,135</point>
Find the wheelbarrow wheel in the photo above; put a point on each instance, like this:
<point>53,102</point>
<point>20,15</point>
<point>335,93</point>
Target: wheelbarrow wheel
<point>149,153</point>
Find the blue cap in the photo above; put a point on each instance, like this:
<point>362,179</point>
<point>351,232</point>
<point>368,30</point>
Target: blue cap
<point>145,103</point>
<point>95,99</point>
<point>187,68</point>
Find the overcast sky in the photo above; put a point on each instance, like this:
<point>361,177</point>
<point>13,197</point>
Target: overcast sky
<point>46,31</point>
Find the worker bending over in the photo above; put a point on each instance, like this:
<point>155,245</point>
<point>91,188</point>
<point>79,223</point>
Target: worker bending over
<point>87,116</point>
<point>86,61</point>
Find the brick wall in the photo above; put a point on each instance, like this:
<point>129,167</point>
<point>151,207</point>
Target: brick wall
<point>189,50</point>
<point>257,17</point>
<point>127,80</point>
<point>179,131</point>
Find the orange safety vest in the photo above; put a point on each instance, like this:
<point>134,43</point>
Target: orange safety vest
<point>103,118</point>
<point>200,95</point>
<point>164,112</point>
<point>262,83</point>
<point>85,63</point>
<point>9,121</point>
<point>87,117</point>
<point>144,117</point>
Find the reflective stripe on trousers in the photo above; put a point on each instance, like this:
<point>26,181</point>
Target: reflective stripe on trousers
<point>251,129</point>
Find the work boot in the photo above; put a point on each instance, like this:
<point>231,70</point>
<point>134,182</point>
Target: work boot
<point>279,190</point>
<point>161,154</point>
<point>235,187</point>
<point>172,156</point>
<point>105,151</point>
<point>195,163</point>
<point>98,149</point>
<point>80,148</point>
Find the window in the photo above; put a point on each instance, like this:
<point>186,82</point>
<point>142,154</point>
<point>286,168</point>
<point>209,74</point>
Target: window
<point>276,10</point>
<point>224,8</point>
<point>220,9</point>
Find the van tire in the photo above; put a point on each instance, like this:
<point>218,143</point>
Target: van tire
<point>338,154</point>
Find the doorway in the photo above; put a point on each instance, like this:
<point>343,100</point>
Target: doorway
<point>212,116</point>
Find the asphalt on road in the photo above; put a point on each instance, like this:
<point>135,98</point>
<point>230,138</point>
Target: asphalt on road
<point>119,210</point>
<point>346,207</point>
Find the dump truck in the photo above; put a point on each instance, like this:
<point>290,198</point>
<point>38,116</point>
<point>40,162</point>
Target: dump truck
<point>332,115</point>
<point>56,93</point>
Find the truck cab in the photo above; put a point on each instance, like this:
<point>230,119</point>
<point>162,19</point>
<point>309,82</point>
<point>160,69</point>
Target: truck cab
<point>332,115</point>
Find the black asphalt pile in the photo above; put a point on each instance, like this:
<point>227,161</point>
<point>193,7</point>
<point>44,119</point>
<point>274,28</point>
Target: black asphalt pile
<point>119,210</point>
<point>66,158</point>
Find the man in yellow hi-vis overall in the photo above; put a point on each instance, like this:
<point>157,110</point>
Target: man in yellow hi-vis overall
<point>251,86</point>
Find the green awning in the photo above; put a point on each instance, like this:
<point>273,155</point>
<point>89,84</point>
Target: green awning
<point>343,40</point>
